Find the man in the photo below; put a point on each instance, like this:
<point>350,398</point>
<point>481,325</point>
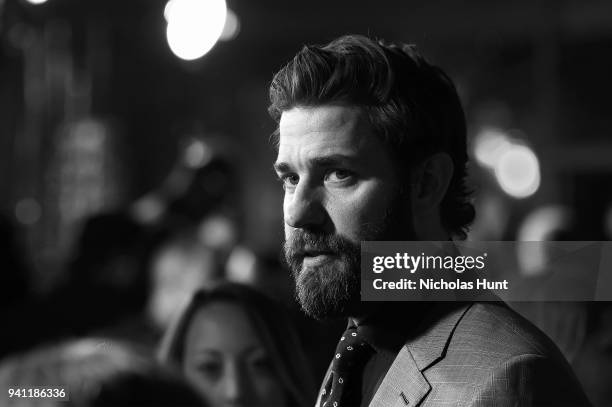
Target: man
<point>372,146</point>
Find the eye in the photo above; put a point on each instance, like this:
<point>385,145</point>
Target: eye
<point>338,175</point>
<point>262,364</point>
<point>212,369</point>
<point>289,180</point>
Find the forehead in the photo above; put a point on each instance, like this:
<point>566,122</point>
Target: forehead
<point>222,326</point>
<point>327,128</point>
<point>327,117</point>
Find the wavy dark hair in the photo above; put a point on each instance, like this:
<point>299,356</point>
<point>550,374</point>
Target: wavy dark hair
<point>411,104</point>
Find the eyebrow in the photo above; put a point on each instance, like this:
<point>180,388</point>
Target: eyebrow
<point>215,351</point>
<point>325,161</point>
<point>206,351</point>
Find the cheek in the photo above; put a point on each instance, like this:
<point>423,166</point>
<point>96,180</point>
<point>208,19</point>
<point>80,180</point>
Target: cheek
<point>208,388</point>
<point>287,227</point>
<point>362,208</point>
<point>269,391</point>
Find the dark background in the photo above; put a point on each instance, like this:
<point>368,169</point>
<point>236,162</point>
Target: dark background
<point>541,67</point>
<point>97,114</point>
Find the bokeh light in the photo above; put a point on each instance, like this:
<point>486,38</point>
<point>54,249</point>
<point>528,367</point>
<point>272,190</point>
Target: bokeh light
<point>542,223</point>
<point>197,154</point>
<point>231,27</point>
<point>148,209</point>
<point>194,26</point>
<point>489,145</point>
<point>537,227</point>
<point>518,171</point>
<point>28,211</point>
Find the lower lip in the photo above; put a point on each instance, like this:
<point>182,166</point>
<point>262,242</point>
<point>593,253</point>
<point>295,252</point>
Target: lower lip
<point>313,261</point>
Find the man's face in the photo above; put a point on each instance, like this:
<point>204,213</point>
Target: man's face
<point>340,189</point>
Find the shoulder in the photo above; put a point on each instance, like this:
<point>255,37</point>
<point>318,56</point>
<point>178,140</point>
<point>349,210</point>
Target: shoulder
<point>528,380</point>
<point>491,334</point>
<point>493,326</point>
<point>494,354</point>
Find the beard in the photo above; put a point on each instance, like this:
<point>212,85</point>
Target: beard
<point>329,290</point>
<point>333,289</point>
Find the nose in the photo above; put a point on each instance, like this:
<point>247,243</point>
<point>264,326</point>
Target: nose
<point>235,386</point>
<point>304,209</point>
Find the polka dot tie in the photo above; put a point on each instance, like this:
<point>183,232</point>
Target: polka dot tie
<point>343,388</point>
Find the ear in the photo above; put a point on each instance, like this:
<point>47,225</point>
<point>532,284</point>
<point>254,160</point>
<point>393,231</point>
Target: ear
<point>431,181</point>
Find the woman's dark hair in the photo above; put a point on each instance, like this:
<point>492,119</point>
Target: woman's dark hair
<point>411,104</point>
<point>97,372</point>
<point>272,325</point>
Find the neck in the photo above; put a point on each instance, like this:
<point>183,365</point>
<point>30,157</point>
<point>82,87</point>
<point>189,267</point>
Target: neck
<point>367,311</point>
<point>375,310</point>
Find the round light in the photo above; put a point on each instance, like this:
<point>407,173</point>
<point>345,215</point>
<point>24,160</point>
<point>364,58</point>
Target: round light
<point>194,26</point>
<point>231,27</point>
<point>540,224</point>
<point>217,232</point>
<point>168,10</point>
<point>489,144</point>
<point>196,154</point>
<point>518,171</point>
<point>28,211</point>
<point>538,227</point>
<point>36,1</point>
<point>148,209</point>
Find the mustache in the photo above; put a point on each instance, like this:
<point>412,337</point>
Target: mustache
<point>302,243</point>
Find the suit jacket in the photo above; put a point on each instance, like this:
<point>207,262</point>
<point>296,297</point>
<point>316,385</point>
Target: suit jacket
<point>477,354</point>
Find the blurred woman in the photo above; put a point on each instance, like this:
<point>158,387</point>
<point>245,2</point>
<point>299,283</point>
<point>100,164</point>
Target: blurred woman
<point>238,348</point>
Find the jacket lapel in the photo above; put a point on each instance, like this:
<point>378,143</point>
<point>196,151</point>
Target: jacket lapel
<point>404,384</point>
